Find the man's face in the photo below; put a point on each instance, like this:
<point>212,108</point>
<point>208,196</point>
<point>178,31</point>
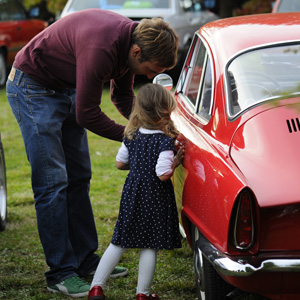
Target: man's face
<point>148,68</point>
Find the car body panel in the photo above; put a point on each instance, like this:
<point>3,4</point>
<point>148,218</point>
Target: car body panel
<point>263,147</point>
<point>206,169</point>
<point>255,150</point>
<point>14,35</point>
<point>16,30</point>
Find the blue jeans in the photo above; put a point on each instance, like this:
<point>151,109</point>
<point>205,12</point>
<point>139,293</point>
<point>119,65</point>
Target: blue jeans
<point>57,149</point>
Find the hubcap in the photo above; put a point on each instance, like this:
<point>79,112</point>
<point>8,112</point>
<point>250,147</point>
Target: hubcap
<point>2,70</point>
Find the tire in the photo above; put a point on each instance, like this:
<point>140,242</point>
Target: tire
<point>3,69</point>
<point>3,194</point>
<point>209,284</point>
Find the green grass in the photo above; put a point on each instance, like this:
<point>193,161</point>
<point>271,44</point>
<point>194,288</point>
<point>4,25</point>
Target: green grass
<point>22,263</point>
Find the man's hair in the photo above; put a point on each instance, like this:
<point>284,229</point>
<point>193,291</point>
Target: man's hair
<point>158,42</point>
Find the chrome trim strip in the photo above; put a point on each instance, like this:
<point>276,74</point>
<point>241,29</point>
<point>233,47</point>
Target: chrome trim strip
<point>244,265</point>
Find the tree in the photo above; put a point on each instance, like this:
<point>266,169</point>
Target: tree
<point>254,7</point>
<point>226,7</point>
<point>229,8</point>
<point>55,6</point>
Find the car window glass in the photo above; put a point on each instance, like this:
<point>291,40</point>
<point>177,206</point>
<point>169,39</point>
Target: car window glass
<point>196,68</point>
<point>206,94</point>
<point>11,10</point>
<point>186,71</point>
<point>261,75</point>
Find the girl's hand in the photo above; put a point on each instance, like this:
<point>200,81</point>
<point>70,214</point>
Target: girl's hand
<point>178,144</point>
<point>179,156</point>
<point>122,166</point>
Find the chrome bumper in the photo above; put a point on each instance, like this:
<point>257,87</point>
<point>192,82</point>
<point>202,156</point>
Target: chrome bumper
<point>244,265</point>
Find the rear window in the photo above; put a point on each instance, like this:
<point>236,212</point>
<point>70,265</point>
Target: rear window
<point>261,75</point>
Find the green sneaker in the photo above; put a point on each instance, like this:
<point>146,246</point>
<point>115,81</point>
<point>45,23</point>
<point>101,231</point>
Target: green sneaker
<point>119,272</point>
<point>72,286</point>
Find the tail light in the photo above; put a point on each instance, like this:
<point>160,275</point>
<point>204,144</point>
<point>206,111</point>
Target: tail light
<point>243,223</point>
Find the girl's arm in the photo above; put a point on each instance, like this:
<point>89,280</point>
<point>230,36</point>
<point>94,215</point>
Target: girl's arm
<point>177,161</point>
<point>122,166</point>
<point>122,158</point>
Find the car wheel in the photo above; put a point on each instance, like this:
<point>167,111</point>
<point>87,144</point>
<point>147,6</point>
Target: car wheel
<point>209,284</point>
<point>3,69</point>
<point>3,203</point>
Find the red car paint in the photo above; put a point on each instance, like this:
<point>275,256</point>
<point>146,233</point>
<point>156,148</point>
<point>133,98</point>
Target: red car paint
<point>16,30</point>
<point>254,150</point>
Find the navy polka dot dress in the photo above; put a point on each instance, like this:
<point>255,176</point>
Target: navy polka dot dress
<point>148,215</point>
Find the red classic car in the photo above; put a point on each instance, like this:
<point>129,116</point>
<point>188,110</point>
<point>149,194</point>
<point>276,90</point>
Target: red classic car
<point>238,113</point>
<point>16,30</point>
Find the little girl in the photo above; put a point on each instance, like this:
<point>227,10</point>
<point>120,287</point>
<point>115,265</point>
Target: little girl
<point>148,218</point>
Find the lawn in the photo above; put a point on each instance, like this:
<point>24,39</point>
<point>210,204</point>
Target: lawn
<point>22,263</point>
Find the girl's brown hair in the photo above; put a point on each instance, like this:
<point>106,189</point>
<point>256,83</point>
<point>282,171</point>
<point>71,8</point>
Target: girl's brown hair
<point>154,103</point>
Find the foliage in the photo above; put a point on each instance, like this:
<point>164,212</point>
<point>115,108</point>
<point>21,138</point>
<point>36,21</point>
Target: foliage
<point>55,6</point>
<point>254,7</point>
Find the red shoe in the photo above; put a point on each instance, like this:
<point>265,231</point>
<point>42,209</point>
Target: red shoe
<point>144,297</point>
<point>96,293</point>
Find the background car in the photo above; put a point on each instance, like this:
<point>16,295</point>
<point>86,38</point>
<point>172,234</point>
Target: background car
<point>3,203</point>
<point>16,30</point>
<point>286,6</point>
<point>238,112</point>
<point>185,16</point>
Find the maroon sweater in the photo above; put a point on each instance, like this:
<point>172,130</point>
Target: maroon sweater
<point>82,51</point>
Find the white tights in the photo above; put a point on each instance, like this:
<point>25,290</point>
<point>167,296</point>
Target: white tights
<point>111,258</point>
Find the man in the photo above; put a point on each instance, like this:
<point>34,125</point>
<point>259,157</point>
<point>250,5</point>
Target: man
<point>54,90</point>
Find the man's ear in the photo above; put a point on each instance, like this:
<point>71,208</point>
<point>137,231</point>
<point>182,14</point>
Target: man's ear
<point>136,51</point>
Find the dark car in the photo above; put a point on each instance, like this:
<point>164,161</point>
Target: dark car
<point>16,30</point>
<point>184,16</point>
<point>3,211</point>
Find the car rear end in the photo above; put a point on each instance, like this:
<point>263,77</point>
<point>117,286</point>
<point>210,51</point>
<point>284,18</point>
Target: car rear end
<point>263,92</point>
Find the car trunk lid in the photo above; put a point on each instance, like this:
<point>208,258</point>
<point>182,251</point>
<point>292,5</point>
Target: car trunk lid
<point>266,148</point>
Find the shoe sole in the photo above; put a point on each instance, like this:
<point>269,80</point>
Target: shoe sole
<point>121,274</point>
<point>79,295</point>
<point>97,298</point>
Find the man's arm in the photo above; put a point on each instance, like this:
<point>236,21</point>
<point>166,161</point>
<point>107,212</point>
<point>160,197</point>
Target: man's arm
<point>122,94</point>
